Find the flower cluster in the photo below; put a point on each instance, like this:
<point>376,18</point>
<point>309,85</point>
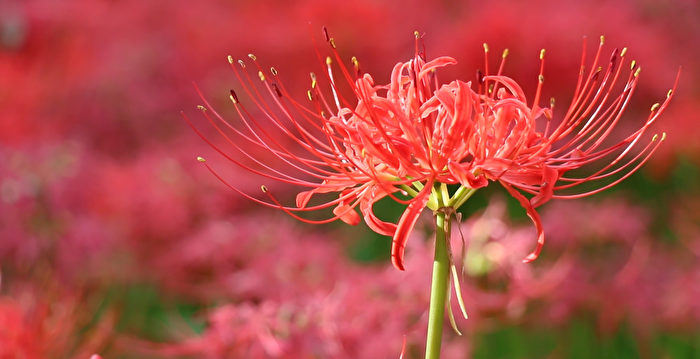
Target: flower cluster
<point>410,138</point>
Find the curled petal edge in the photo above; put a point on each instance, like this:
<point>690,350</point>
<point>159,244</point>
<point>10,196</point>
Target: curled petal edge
<point>406,224</point>
<point>534,216</point>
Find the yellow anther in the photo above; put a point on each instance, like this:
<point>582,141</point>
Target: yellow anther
<point>273,71</point>
<point>599,69</point>
<point>240,62</point>
<point>263,188</point>
<point>309,95</point>
<point>655,107</point>
<point>354,61</point>
<point>233,98</point>
<point>230,59</point>
<point>332,42</point>
<point>329,60</point>
<point>491,88</point>
<point>656,136</point>
<point>201,159</point>
<point>505,53</point>
<point>313,80</point>
<point>542,54</point>
<point>663,136</point>
<point>486,47</point>
<point>633,64</point>
<point>669,93</point>
<point>623,52</point>
<point>602,39</point>
<point>252,57</point>
<point>416,34</point>
<point>540,78</point>
<point>261,75</point>
<point>636,73</point>
<point>551,102</point>
<point>201,108</point>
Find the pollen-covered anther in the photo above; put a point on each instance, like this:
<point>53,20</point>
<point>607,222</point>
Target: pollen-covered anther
<point>332,42</point>
<point>261,75</point>
<point>233,96</point>
<point>551,102</point>
<point>309,95</point>
<point>329,60</point>
<point>252,57</point>
<point>542,54</point>
<point>623,52</point>
<point>636,73</point>
<point>486,47</point>
<point>655,107</point>
<point>505,53</point>
<point>416,34</point>
<point>602,39</point>
<point>273,71</point>
<point>663,136</point>
<point>263,189</point>
<point>201,159</point>
<point>240,62</point>
<point>669,93</point>
<point>201,108</point>
<point>230,59</point>
<point>313,80</point>
<point>540,78</point>
<point>633,64</point>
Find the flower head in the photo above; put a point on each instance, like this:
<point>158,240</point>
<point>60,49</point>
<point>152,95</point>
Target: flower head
<point>411,138</point>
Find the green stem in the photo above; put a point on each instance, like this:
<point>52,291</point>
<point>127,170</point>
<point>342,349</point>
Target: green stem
<point>438,290</point>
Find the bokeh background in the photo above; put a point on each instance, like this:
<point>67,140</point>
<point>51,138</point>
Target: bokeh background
<point>113,240</point>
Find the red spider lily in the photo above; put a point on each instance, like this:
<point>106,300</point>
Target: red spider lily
<point>414,136</point>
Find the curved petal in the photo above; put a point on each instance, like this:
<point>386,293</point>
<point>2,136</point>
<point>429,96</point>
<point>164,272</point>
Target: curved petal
<point>406,224</point>
<point>376,193</point>
<point>534,216</point>
<point>549,178</point>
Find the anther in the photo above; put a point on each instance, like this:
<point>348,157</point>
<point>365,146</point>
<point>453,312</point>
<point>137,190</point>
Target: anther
<point>354,61</point>
<point>491,88</point>
<point>416,34</point>
<point>633,64</point>
<point>655,107</point>
<point>329,60</point>
<point>602,39</point>
<point>542,54</point>
<point>201,108</point>
<point>669,93</point>
<point>230,59</point>
<point>479,76</point>
<point>313,80</point>
<point>505,53</point>
<point>233,96</point>
<point>656,136</point>
<point>261,75</point>
<point>663,136</point>
<point>240,62</point>
<point>201,159</point>
<point>309,95</point>
<point>332,42</point>
<point>623,52</point>
<point>636,73</point>
<point>273,71</point>
<point>486,47</point>
<point>551,102</point>
<point>263,188</point>
<point>277,90</point>
<point>252,57</point>
<point>540,78</point>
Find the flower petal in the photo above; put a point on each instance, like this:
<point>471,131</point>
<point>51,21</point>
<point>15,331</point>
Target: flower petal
<point>534,216</point>
<point>406,224</point>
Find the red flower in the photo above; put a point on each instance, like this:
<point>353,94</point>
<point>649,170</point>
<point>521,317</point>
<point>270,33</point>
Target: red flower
<point>414,136</point>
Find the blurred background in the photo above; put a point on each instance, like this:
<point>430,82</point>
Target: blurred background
<point>113,240</point>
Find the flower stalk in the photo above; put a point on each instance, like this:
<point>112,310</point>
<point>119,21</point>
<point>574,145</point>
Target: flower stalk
<point>439,286</point>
